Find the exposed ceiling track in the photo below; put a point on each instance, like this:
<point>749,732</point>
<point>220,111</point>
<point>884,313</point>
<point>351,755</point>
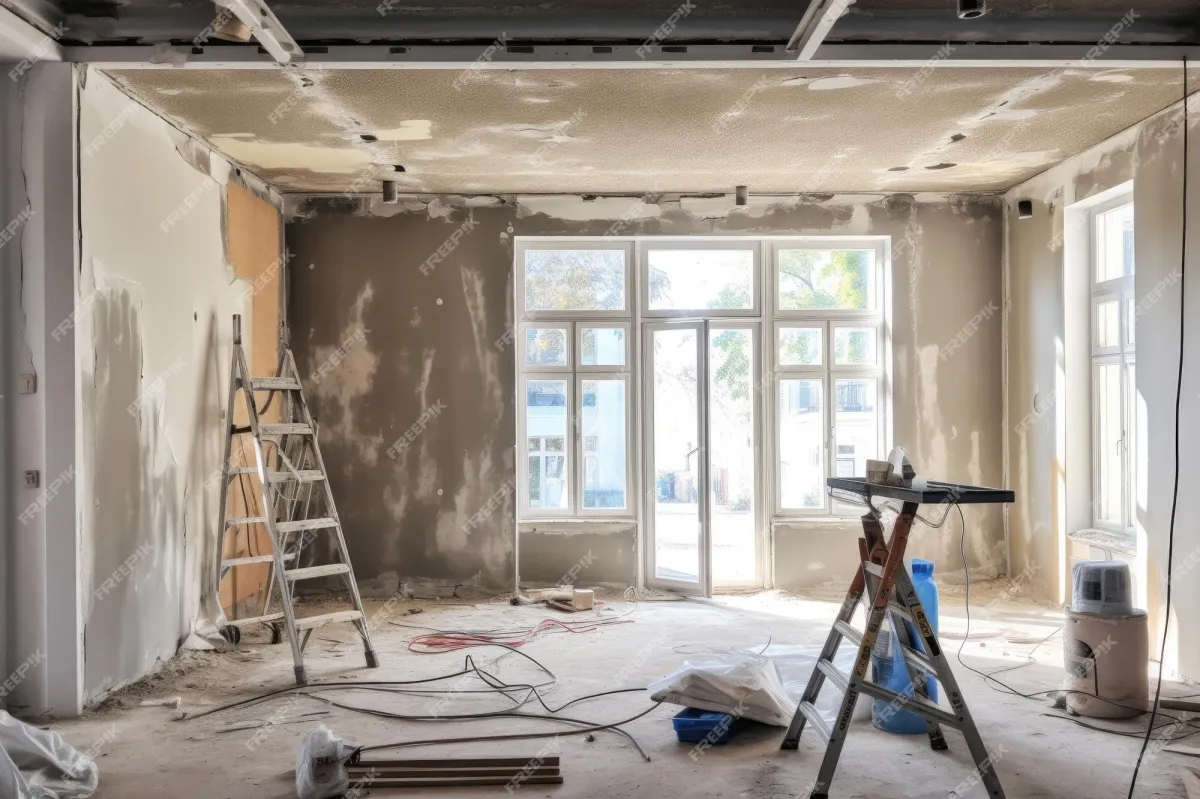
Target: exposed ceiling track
<point>267,30</point>
<point>815,25</point>
<point>471,57</point>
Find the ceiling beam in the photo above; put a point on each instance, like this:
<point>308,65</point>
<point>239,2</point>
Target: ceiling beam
<point>21,42</point>
<point>472,57</point>
<point>815,25</point>
<point>267,29</point>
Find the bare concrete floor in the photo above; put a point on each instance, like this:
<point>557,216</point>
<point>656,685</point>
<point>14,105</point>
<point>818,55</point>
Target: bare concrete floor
<point>145,754</point>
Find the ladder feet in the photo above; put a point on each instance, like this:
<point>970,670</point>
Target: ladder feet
<point>790,744</point>
<point>301,677</point>
<point>276,633</point>
<point>372,661</point>
<point>815,795</point>
<point>938,744</point>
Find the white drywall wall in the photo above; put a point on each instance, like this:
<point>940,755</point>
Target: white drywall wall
<point>154,341</point>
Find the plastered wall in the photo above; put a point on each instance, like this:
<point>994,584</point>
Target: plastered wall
<point>392,343</point>
<point>156,292</point>
<point>1050,461</point>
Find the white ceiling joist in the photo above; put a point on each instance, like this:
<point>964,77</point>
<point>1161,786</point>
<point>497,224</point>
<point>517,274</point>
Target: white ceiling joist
<point>815,25</point>
<point>21,42</point>
<point>267,29</point>
<point>833,56</point>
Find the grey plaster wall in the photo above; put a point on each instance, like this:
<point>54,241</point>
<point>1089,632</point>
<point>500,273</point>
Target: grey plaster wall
<point>404,350</point>
<point>1050,460</point>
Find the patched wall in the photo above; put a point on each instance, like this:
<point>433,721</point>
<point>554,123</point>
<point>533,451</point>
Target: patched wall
<point>153,334</point>
<point>402,350</point>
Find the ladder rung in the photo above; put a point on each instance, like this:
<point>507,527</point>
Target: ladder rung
<point>270,617</point>
<point>849,633</point>
<point>815,721</point>
<point>902,613</point>
<point>275,383</point>
<point>919,659</point>
<point>873,568</point>
<point>312,622</point>
<point>834,675</point>
<point>306,475</point>
<point>914,703</point>
<point>312,572</point>
<point>237,521</point>
<point>228,564</point>
<point>289,428</point>
<point>305,524</point>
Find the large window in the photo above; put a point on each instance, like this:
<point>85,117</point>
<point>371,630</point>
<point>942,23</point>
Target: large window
<point>830,375</point>
<point>574,383</point>
<point>596,327</point>
<point>1113,367</point>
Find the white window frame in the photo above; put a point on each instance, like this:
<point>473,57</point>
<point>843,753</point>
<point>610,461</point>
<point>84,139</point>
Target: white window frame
<point>646,247</point>
<point>828,319</point>
<point>765,313</point>
<point>1122,354</point>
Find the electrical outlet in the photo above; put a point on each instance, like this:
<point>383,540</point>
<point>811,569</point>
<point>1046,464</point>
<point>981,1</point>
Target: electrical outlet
<point>33,478</point>
<point>27,384</point>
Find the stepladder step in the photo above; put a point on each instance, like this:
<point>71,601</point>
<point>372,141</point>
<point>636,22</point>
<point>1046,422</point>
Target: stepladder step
<point>313,572</point>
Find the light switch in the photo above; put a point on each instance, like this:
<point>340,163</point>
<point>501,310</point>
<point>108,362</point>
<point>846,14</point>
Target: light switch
<point>32,478</point>
<point>27,384</point>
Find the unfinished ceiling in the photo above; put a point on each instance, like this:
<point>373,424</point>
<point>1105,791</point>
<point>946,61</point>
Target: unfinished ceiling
<point>765,21</point>
<point>695,130</point>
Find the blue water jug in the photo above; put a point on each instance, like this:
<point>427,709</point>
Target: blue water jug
<point>888,668</point>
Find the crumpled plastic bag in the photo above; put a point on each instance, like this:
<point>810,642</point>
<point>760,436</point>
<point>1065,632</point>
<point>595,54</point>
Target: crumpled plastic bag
<point>321,765</point>
<point>742,684</point>
<point>39,764</point>
<point>764,686</point>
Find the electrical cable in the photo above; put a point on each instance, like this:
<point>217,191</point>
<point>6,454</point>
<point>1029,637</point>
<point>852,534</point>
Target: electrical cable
<point>1178,398</point>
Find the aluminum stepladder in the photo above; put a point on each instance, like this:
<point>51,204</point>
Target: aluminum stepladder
<point>884,584</point>
<point>289,468</point>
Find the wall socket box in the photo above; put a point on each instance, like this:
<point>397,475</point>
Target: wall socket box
<point>33,478</point>
<point>27,384</point>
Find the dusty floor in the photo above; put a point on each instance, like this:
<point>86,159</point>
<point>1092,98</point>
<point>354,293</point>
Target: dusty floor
<point>145,754</point>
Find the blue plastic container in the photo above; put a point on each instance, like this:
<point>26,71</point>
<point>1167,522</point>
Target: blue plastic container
<point>887,664</point>
<point>693,726</point>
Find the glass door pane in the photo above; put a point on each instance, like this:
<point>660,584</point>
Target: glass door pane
<point>1109,454</point>
<point>676,460</point>
<point>732,464</point>
<point>800,423</point>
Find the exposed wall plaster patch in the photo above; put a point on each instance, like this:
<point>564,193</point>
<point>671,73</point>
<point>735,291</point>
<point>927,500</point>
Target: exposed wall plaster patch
<point>350,379</point>
<point>840,82</point>
<point>293,155</point>
<point>409,130</point>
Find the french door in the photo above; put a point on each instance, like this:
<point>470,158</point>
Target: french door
<point>701,482</point>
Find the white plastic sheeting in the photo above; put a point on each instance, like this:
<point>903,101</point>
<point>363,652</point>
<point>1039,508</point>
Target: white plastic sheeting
<point>763,686</point>
<point>39,764</point>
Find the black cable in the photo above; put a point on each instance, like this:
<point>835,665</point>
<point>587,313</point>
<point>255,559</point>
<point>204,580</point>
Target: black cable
<point>988,677</point>
<point>1178,397</point>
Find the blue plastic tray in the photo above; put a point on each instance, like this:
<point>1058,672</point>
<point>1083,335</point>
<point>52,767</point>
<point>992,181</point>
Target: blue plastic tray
<point>693,726</point>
